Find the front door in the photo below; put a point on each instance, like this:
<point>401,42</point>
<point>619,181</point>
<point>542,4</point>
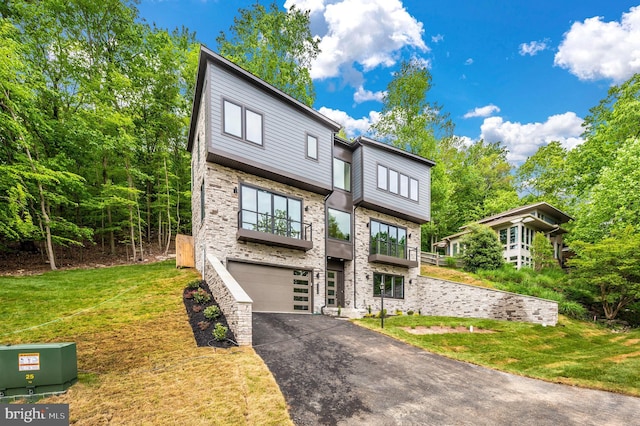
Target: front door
<point>335,288</point>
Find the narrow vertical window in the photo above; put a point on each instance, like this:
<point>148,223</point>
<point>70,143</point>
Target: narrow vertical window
<point>414,189</point>
<point>253,125</point>
<point>382,177</point>
<point>404,186</point>
<point>393,181</point>
<point>232,119</point>
<point>312,147</point>
<point>341,174</point>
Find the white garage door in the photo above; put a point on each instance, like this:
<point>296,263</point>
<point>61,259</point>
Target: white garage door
<point>274,289</point>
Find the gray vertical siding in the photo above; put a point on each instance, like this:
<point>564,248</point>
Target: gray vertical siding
<point>373,156</point>
<point>285,130</point>
<point>356,174</point>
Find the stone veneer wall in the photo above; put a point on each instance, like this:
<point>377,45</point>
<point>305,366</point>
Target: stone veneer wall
<point>217,236</point>
<point>445,298</point>
<point>364,288</point>
<point>232,299</point>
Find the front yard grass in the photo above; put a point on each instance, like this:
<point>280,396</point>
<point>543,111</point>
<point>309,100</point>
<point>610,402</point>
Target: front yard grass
<point>137,359</point>
<point>573,352</point>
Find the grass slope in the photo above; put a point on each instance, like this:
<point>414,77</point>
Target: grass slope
<point>573,352</point>
<point>138,361</point>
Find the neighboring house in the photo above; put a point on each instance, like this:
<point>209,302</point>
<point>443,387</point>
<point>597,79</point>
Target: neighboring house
<point>515,229</point>
<point>302,219</point>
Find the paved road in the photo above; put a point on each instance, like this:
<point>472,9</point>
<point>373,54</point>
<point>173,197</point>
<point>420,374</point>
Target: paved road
<point>334,372</point>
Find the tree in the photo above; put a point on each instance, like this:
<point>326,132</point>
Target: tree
<point>609,269</point>
<point>276,46</point>
<point>543,176</point>
<point>542,252</point>
<point>481,249</point>
<point>613,203</point>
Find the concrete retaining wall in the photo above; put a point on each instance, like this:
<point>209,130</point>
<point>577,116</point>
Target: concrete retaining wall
<point>445,298</point>
<point>234,302</point>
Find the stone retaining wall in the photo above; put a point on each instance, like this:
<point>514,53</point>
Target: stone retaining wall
<point>234,302</point>
<point>445,298</point>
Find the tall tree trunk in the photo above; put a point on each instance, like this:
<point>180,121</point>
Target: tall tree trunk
<point>132,232</point>
<point>166,179</point>
<point>112,238</point>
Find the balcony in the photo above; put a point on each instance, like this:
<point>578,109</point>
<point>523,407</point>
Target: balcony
<point>274,230</point>
<point>393,253</point>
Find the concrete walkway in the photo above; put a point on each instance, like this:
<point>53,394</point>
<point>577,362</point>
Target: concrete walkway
<point>334,372</point>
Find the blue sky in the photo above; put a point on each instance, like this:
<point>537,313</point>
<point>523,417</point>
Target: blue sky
<point>520,72</point>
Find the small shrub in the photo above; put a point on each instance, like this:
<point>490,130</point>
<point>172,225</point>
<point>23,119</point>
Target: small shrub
<point>450,262</point>
<point>196,308</point>
<point>572,309</point>
<point>193,285</point>
<point>339,310</point>
<point>212,312</point>
<point>398,312</point>
<point>369,309</point>
<point>410,312</point>
<point>219,332</point>
<point>203,325</point>
<point>201,296</point>
<point>382,313</point>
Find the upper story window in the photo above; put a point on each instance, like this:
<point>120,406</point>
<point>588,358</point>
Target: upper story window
<point>339,225</point>
<point>388,240</point>
<point>503,236</point>
<point>341,174</point>
<point>265,211</point>
<point>397,183</point>
<point>242,122</point>
<point>312,147</point>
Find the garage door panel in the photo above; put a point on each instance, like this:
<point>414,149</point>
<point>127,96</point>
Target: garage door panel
<point>274,289</point>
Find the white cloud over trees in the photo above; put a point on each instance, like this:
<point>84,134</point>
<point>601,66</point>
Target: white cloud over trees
<point>484,111</point>
<point>594,49</point>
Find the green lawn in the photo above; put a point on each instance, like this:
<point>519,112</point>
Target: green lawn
<point>573,352</point>
<point>138,362</point>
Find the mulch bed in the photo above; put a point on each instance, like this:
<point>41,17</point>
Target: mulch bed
<point>202,336</point>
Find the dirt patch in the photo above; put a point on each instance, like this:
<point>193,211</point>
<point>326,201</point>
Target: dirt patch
<point>420,330</point>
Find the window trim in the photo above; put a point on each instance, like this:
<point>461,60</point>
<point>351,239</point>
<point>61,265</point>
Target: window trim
<point>387,183</point>
<point>334,174</point>
<point>257,188</point>
<point>391,225</point>
<point>243,122</point>
<point>308,156</point>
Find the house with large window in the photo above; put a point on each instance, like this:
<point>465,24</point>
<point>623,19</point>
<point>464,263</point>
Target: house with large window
<point>303,220</point>
<point>515,229</point>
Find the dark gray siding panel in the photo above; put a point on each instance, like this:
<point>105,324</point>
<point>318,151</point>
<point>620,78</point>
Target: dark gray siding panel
<point>284,133</point>
<point>356,174</point>
<point>371,195</point>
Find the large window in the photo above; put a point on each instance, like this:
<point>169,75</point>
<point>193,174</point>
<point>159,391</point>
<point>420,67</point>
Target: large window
<point>265,211</point>
<point>242,122</point>
<point>503,237</point>
<point>388,240</point>
<point>339,224</point>
<point>393,285</point>
<point>397,183</point>
<point>341,174</point>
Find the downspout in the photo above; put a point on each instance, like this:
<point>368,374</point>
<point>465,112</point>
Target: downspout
<point>324,206</point>
<point>353,254</point>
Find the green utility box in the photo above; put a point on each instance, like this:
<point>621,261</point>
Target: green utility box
<point>33,369</point>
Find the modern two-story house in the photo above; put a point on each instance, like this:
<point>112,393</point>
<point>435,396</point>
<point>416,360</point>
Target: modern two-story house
<point>515,229</point>
<point>302,219</point>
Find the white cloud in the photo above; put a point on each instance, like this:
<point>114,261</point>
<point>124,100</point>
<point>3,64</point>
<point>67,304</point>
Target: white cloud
<point>363,95</point>
<point>468,61</point>
<point>484,111</point>
<point>437,38</point>
<point>523,140</point>
<point>532,48</point>
<point>353,126</point>
<point>595,49</point>
<point>366,32</point>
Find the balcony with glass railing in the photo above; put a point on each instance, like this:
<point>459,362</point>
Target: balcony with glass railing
<point>391,252</point>
<point>274,229</point>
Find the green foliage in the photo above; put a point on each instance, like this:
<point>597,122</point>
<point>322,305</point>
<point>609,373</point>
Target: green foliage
<point>194,284</point>
<point>542,252</point>
<point>410,312</point>
<point>451,262</point>
<point>482,249</point>
<point>382,313</point>
<point>212,312</point>
<point>201,296</point>
<point>609,270</point>
<point>276,46</point>
<point>219,332</point>
<point>543,176</point>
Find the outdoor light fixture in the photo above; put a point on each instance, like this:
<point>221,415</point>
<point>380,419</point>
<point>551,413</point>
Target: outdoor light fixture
<point>306,208</point>
<point>409,234</point>
<point>367,224</point>
<point>235,189</point>
<point>367,276</point>
<point>318,275</point>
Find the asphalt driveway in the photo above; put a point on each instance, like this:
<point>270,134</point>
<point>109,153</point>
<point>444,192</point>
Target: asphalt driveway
<point>334,372</point>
